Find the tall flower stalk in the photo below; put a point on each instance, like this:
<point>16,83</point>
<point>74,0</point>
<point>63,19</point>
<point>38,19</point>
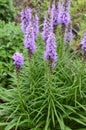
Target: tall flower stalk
<point>29,44</point>
<point>35,23</point>
<point>48,25</point>
<point>25,19</point>
<point>18,62</point>
<point>29,41</point>
<point>64,15</point>
<point>50,52</point>
<point>56,10</point>
<point>30,34</point>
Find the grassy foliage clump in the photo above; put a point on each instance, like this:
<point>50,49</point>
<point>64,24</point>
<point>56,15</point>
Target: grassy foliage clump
<point>41,100</point>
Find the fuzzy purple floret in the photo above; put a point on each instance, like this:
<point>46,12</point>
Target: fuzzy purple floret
<point>56,10</point>
<point>50,51</point>
<point>83,42</point>
<point>18,59</point>
<point>64,15</point>
<point>68,37</point>
<point>25,19</point>
<point>29,41</point>
<point>48,25</point>
<point>35,25</point>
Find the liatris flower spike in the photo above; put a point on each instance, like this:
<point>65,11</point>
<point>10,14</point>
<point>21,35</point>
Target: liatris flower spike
<point>35,23</point>
<point>25,19</point>
<point>50,51</point>
<point>68,37</point>
<point>18,61</point>
<point>56,10</point>
<point>29,42</point>
<point>48,25</point>
<point>64,15</point>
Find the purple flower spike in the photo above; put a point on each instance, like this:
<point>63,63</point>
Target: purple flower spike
<point>48,25</point>
<point>56,10</point>
<point>68,37</point>
<point>64,15</point>
<point>50,52</point>
<point>18,60</point>
<point>35,24</point>
<point>25,19</point>
<point>83,42</point>
<point>29,42</point>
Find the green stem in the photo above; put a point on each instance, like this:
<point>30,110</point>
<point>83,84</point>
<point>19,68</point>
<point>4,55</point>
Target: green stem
<point>31,65</point>
<point>49,78</point>
<point>19,92</point>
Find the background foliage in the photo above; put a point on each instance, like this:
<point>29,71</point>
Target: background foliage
<point>11,40</point>
<point>6,10</point>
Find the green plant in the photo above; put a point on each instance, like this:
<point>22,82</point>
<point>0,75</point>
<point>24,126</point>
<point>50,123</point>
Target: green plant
<point>10,36</point>
<point>37,98</point>
<point>41,100</point>
<point>6,10</point>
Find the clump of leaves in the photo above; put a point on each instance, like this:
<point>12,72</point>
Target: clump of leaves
<point>41,100</point>
<point>6,10</point>
<point>10,36</point>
